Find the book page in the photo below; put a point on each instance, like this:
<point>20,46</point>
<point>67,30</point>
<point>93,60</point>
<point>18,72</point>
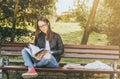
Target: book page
<point>34,49</point>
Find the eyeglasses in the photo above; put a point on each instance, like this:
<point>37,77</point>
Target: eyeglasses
<point>42,25</point>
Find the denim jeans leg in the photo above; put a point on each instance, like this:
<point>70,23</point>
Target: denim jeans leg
<point>29,61</point>
<point>42,62</point>
<point>51,62</point>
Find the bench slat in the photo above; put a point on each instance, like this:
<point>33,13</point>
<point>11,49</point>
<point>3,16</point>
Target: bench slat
<point>71,55</point>
<point>14,44</point>
<point>91,47</point>
<point>12,48</point>
<point>21,68</point>
<point>67,46</point>
<point>11,53</point>
<point>93,51</point>
<point>90,56</point>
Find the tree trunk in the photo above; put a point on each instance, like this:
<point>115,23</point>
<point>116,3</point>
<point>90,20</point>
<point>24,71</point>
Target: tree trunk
<point>87,30</point>
<point>13,30</point>
<point>14,18</point>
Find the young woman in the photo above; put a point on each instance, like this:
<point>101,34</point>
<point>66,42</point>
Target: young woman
<point>50,41</point>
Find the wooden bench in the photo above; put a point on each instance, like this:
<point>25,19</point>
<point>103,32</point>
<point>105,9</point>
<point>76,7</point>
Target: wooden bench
<point>109,53</point>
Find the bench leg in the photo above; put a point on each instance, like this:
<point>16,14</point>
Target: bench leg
<point>1,75</point>
<point>4,73</point>
<point>114,65</point>
<point>113,76</point>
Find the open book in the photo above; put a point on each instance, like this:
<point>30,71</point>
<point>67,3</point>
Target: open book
<point>33,50</point>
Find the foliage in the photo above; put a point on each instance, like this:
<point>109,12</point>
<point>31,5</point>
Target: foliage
<point>113,28</point>
<point>23,13</point>
<point>66,17</point>
<point>5,33</point>
<point>106,18</point>
<point>101,19</point>
<point>81,12</point>
<point>26,9</point>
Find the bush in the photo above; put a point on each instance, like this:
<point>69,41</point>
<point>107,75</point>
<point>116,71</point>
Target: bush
<point>6,32</point>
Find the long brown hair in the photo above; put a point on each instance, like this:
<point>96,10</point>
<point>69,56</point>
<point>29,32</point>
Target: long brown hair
<point>49,31</point>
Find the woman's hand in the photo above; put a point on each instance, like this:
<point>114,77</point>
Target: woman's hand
<point>39,56</point>
<point>47,56</point>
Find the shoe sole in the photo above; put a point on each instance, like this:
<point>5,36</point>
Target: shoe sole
<point>29,76</point>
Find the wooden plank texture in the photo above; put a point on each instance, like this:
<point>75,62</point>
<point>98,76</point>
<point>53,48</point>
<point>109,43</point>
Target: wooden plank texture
<point>83,70</point>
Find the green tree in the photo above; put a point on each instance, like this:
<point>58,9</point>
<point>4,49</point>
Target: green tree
<point>101,18</point>
<point>113,28</point>
<point>22,13</point>
<point>81,13</point>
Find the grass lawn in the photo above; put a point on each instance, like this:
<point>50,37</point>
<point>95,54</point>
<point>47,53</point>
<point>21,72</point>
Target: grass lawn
<point>65,28</point>
<point>72,33</point>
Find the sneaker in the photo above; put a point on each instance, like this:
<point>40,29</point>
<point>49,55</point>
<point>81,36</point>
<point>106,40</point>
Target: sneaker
<point>30,74</point>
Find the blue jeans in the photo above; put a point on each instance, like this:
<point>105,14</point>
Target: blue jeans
<point>32,63</point>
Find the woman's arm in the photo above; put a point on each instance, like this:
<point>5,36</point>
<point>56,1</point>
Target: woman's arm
<point>59,45</point>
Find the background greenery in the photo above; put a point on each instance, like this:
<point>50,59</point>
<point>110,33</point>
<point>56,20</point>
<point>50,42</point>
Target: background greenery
<point>18,17</point>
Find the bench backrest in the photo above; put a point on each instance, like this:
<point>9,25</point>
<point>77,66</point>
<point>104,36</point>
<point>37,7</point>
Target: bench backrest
<point>71,51</point>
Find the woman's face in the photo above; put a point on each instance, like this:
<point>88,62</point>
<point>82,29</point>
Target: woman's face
<point>43,26</point>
